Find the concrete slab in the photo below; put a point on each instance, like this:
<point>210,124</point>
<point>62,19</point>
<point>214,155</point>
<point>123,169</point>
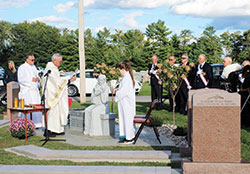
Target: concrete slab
<point>92,155</point>
<point>74,137</point>
<point>4,122</point>
<point>41,169</point>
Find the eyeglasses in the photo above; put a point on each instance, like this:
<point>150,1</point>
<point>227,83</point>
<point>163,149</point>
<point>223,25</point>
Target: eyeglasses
<point>183,58</point>
<point>171,59</point>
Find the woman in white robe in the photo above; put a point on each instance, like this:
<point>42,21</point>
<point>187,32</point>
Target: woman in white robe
<point>125,96</point>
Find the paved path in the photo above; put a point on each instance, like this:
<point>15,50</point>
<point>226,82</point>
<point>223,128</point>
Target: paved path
<point>45,169</point>
<point>4,122</point>
<point>75,137</point>
<point>36,152</point>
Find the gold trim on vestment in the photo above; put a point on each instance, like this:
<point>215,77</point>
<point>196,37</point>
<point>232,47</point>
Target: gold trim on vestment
<point>60,88</point>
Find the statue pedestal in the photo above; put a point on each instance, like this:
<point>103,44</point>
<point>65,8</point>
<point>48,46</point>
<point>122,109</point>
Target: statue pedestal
<point>77,117</point>
<point>77,121</point>
<point>108,123</point>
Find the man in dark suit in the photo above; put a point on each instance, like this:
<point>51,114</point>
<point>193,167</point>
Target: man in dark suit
<point>245,93</point>
<point>182,95</point>
<point>202,74</point>
<point>172,61</point>
<point>156,88</point>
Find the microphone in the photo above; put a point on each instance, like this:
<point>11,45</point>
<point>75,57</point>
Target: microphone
<point>48,72</point>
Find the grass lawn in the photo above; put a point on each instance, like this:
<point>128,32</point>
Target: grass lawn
<point>145,90</point>
<point>160,117</point>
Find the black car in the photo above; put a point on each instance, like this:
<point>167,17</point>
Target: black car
<point>217,71</point>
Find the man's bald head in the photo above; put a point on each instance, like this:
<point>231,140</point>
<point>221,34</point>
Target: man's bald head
<point>227,61</point>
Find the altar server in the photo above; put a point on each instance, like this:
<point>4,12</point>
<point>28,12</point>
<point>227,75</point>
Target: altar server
<point>125,96</point>
<point>29,82</point>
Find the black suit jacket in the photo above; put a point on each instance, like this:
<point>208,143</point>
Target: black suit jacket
<point>208,74</point>
<point>153,79</point>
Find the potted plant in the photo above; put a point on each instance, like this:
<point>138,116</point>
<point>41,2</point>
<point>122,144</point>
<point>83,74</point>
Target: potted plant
<point>17,128</point>
<point>172,76</point>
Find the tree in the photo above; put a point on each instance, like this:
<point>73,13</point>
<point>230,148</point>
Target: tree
<point>133,41</point>
<point>34,38</point>
<point>6,37</point>
<point>209,44</point>
<point>69,50</point>
<point>157,40</point>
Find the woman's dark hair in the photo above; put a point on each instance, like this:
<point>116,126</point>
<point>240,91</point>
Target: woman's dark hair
<point>127,66</point>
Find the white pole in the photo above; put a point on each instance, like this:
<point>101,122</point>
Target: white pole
<point>81,51</point>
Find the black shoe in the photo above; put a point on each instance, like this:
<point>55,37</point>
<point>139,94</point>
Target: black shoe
<point>61,133</point>
<point>130,141</point>
<point>50,134</point>
<point>122,141</point>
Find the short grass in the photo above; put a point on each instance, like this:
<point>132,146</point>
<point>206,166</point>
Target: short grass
<point>7,141</point>
<point>145,90</point>
<point>160,117</point>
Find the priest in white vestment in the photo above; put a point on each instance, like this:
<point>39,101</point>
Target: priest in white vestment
<point>99,100</point>
<point>56,96</point>
<point>29,82</point>
<point>125,97</point>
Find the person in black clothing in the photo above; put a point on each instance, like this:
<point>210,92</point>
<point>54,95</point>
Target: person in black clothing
<point>182,95</point>
<point>202,74</point>
<point>155,81</point>
<point>245,99</point>
<point>172,61</point>
<point>10,73</point>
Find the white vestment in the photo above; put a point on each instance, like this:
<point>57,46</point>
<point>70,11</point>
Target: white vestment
<point>99,99</point>
<point>29,90</point>
<point>125,96</point>
<point>230,68</point>
<point>56,98</point>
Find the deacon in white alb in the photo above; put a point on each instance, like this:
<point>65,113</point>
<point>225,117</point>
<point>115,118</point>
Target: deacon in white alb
<point>56,96</point>
<point>29,82</point>
<point>125,96</point>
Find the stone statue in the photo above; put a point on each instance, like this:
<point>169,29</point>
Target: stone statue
<point>100,105</point>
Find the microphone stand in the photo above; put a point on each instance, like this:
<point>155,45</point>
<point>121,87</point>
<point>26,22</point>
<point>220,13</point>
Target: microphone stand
<point>45,115</point>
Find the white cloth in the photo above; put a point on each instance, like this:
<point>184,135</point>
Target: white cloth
<point>99,100</point>
<point>29,90</point>
<point>56,98</point>
<point>125,96</point>
<point>230,68</point>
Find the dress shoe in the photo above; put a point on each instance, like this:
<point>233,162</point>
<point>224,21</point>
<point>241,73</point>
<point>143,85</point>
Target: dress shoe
<point>61,133</point>
<point>50,134</point>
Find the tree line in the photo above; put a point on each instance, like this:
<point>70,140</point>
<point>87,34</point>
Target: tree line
<point>18,40</point>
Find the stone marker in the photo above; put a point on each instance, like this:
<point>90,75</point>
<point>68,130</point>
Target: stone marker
<point>214,133</point>
<point>216,127</point>
<point>12,93</point>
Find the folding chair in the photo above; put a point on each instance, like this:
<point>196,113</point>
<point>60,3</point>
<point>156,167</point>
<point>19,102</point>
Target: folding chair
<point>146,120</point>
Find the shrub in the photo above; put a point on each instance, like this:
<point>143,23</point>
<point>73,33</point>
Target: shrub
<point>17,128</point>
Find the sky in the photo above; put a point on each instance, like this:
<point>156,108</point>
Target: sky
<point>195,15</point>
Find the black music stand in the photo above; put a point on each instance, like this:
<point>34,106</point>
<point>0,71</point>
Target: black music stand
<point>45,113</point>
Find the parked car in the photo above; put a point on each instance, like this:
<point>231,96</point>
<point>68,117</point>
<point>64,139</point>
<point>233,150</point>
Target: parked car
<point>74,87</point>
<point>217,71</point>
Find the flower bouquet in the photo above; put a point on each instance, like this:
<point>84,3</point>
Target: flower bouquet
<point>17,128</point>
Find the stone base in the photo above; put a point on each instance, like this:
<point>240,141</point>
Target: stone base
<point>108,123</point>
<point>77,119</point>
<point>185,151</point>
<point>215,168</point>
